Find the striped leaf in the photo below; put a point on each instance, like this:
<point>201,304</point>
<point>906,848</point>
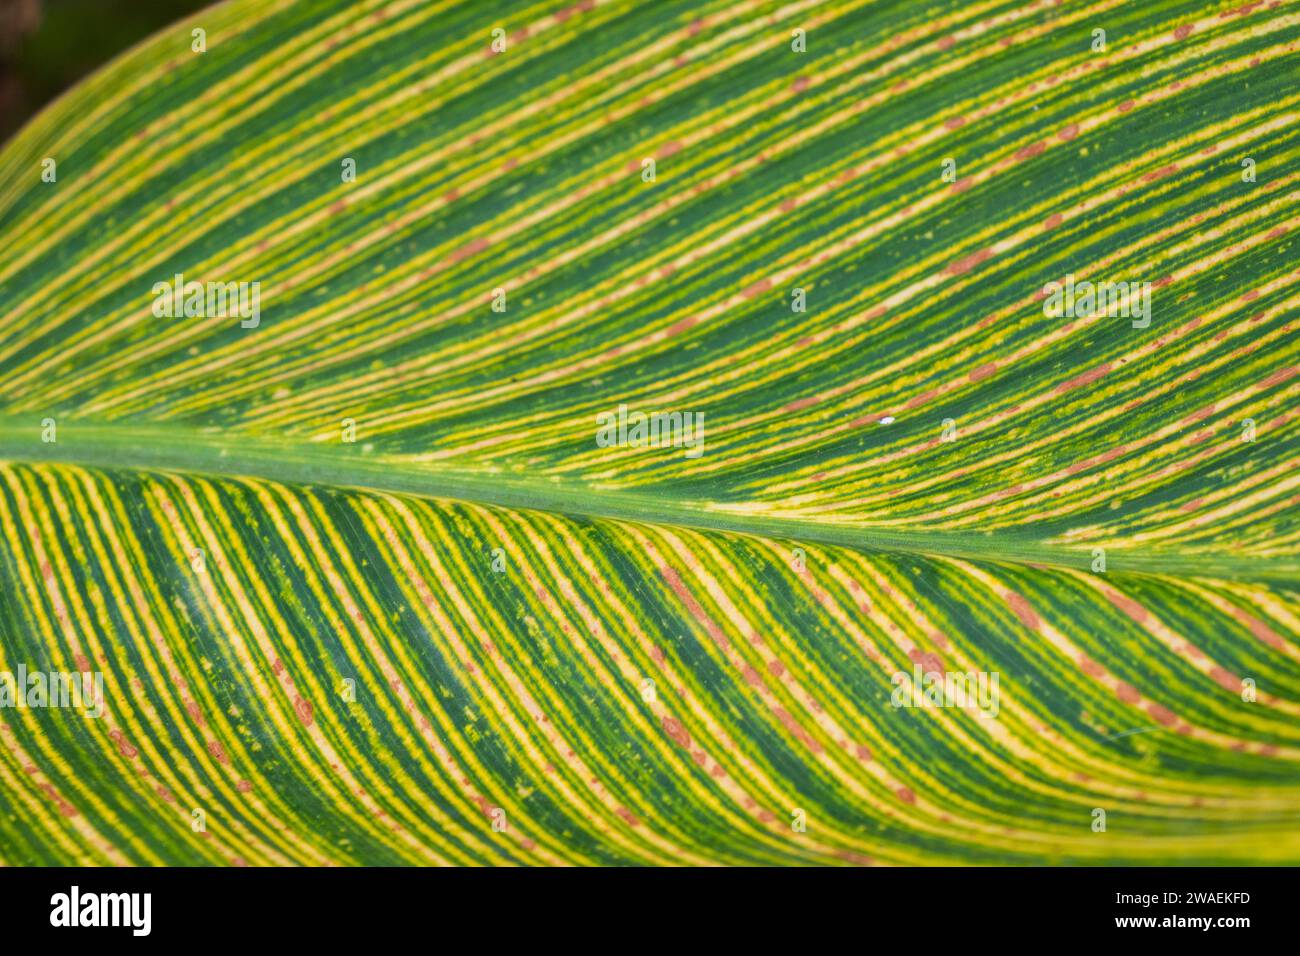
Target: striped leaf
<point>943,564</point>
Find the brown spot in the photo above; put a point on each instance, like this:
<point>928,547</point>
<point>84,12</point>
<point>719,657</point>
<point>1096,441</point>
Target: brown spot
<point>798,732</point>
<point>1022,610</point>
<point>906,795</point>
<point>1127,693</point>
<point>1199,415</point>
<point>1162,715</point>
<point>1030,151</point>
<point>1182,31</point>
<point>628,816</point>
<point>1278,377</point>
<point>983,371</point>
<point>1261,630</point>
<point>967,263</point>
<point>858,859</point>
<point>681,325</point>
<point>918,400</point>
<point>1085,378</point>
<point>675,583</point>
<point>1068,132</point>
<point>304,709</point>
<point>473,247</point>
<point>218,754</point>
<point>932,663</point>
<point>1227,681</point>
<point>1126,106</point>
<point>1126,604</point>
<point>675,730</point>
<point>1160,173</point>
<point>123,747</point>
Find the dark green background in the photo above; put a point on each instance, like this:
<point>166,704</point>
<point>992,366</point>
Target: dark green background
<point>47,45</point>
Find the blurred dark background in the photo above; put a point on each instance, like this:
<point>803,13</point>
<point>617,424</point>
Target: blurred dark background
<point>47,45</point>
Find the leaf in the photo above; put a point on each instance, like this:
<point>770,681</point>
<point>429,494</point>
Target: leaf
<point>478,635</point>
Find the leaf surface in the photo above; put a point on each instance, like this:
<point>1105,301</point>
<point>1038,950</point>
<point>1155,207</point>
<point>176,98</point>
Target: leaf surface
<point>475,635</point>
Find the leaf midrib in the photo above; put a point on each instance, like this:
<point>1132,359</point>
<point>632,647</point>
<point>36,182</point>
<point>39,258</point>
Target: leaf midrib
<point>226,453</point>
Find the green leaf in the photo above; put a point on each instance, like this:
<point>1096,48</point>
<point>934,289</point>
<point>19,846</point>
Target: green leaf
<point>480,633</point>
